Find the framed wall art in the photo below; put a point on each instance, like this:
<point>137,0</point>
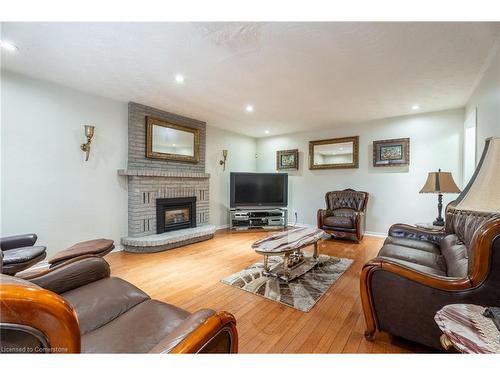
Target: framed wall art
<point>287,160</point>
<point>391,152</point>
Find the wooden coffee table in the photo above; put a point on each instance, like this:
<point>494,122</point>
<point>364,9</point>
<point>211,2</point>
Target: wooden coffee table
<point>289,244</point>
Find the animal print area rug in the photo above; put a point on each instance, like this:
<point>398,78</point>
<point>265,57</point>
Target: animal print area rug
<point>301,293</point>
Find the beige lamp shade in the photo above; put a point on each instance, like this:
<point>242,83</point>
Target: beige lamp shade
<point>482,193</point>
<point>440,182</point>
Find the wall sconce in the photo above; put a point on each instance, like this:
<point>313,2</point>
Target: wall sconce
<point>223,162</point>
<point>85,147</point>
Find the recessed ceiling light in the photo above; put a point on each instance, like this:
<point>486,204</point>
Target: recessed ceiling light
<point>179,78</point>
<point>415,107</point>
<point>173,144</point>
<point>249,108</point>
<point>8,46</point>
<point>266,131</point>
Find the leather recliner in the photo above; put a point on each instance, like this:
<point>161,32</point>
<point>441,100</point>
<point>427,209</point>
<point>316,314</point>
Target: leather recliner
<point>77,307</point>
<point>344,216</point>
<point>417,272</point>
<point>19,252</point>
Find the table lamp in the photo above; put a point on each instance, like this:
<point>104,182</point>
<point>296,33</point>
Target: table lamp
<point>439,183</point>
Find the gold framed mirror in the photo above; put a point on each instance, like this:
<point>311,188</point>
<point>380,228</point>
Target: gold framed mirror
<point>168,141</point>
<point>334,153</point>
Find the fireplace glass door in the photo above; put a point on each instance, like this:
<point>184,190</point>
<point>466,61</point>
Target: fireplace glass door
<point>176,216</point>
<point>175,213</point>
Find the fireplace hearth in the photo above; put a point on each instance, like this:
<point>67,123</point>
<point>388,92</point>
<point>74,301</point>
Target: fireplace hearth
<point>175,213</point>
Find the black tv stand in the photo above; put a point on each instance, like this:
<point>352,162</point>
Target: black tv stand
<point>258,218</point>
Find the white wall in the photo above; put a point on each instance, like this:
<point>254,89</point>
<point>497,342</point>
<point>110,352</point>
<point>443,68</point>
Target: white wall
<point>47,187</point>
<point>435,142</point>
<point>486,98</point>
<point>241,158</point>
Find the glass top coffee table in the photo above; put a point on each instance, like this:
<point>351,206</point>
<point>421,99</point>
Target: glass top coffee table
<point>289,244</point>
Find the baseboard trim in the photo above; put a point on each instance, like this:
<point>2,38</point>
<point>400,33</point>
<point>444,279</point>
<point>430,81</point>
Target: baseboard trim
<point>368,233</point>
<point>376,234</point>
<point>117,249</point>
<point>301,225</point>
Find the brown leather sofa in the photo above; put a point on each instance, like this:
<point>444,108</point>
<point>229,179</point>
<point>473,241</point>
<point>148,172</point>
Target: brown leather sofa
<point>77,307</point>
<point>344,216</point>
<point>417,272</point>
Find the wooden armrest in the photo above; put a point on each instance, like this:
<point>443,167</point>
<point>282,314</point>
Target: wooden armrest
<point>43,311</point>
<point>208,330</point>
<point>320,215</point>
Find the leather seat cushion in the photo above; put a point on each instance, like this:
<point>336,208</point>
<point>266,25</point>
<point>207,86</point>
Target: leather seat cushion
<point>456,256</point>
<point>339,222</point>
<point>418,257</point>
<point>100,302</point>
<point>336,229</point>
<point>414,244</point>
<point>420,268</point>
<point>137,331</point>
<point>22,254</point>
<point>345,212</point>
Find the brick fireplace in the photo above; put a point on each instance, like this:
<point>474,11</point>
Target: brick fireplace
<point>152,180</point>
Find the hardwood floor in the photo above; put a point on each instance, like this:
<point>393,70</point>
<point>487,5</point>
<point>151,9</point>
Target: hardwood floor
<point>189,277</point>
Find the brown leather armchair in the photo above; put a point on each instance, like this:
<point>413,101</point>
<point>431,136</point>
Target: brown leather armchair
<point>345,214</point>
<point>417,272</point>
<point>77,307</point>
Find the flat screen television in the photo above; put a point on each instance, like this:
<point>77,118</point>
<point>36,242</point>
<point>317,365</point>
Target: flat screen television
<point>258,189</point>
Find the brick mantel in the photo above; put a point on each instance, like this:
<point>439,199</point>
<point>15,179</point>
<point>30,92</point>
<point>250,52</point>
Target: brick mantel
<point>157,173</point>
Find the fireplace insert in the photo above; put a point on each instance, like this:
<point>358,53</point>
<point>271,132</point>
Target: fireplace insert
<point>175,213</point>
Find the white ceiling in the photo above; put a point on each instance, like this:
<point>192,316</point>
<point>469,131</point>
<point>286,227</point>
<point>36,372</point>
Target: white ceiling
<point>297,76</point>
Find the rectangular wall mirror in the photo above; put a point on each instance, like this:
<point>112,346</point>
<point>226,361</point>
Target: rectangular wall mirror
<point>334,153</point>
<point>169,141</point>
